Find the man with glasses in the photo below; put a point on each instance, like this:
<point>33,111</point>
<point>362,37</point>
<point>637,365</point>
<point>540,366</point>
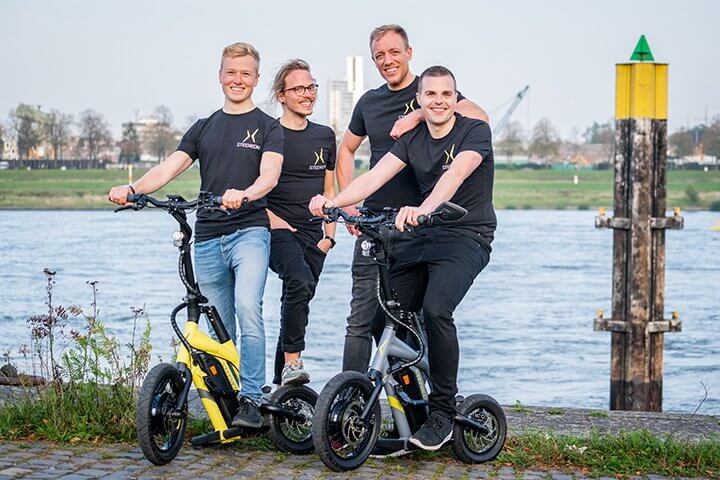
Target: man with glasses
<point>382,115</point>
<point>298,246</point>
<point>240,152</point>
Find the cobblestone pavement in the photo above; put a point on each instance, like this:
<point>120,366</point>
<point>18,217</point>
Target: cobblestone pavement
<point>46,461</point>
<point>41,460</point>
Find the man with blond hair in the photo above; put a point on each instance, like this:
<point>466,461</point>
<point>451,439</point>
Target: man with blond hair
<point>240,149</point>
<point>382,115</point>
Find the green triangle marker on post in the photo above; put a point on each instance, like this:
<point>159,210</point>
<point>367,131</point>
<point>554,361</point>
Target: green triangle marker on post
<point>642,51</point>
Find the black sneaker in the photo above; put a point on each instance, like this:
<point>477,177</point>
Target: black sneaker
<point>248,414</point>
<point>434,432</point>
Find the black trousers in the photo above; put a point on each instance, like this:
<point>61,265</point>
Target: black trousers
<point>434,272</point>
<point>366,319</point>
<point>298,264</point>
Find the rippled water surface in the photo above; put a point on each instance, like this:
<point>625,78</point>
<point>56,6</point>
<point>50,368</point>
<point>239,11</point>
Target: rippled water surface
<point>525,326</point>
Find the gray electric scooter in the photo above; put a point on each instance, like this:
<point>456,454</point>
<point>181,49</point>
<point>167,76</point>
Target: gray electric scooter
<point>347,424</point>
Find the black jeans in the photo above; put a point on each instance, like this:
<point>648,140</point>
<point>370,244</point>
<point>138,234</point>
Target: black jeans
<point>298,264</point>
<point>365,319</point>
<point>434,272</point>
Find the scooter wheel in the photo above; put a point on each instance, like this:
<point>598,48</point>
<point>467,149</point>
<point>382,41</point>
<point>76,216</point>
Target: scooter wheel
<point>289,434</point>
<point>342,440</point>
<point>471,445</point>
<point>161,421</point>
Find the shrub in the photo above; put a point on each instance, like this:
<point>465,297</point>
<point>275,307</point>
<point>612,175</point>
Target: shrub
<point>91,380</point>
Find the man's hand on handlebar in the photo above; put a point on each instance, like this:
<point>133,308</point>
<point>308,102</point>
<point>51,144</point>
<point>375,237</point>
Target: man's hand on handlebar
<point>119,194</point>
<point>233,199</point>
<point>318,203</point>
<point>409,216</point>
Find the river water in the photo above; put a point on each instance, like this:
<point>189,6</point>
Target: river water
<point>525,327</point>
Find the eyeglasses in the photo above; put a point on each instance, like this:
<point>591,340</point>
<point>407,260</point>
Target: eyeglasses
<point>301,89</point>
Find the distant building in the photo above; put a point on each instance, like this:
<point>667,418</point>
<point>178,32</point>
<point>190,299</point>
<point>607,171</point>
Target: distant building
<point>354,77</point>
<point>148,128</point>
<point>340,105</point>
<point>344,94</point>
<point>10,150</point>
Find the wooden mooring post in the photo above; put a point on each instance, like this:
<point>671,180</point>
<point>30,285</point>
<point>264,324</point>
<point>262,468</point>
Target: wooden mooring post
<point>637,324</point>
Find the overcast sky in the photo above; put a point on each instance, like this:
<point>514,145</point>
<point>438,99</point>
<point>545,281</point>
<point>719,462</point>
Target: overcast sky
<point>123,56</point>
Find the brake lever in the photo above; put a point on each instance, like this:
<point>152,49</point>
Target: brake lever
<point>126,207</point>
<point>216,209</point>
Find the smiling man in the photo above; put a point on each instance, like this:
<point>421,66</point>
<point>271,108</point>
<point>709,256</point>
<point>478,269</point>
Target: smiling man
<point>451,157</point>
<point>240,152</point>
<point>382,115</point>
<point>298,246</point>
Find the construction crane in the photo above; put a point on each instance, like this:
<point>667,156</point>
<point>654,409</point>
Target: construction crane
<point>506,117</point>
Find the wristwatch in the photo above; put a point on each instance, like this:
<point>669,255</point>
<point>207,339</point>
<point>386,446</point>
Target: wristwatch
<point>332,240</point>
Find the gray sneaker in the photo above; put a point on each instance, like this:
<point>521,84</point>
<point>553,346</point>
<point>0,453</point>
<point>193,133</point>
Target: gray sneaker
<point>293,373</point>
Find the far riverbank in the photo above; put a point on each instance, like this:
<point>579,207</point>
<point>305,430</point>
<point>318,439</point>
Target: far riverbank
<point>514,189</point>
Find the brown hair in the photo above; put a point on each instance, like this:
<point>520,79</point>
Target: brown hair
<point>278,84</point>
<point>240,49</point>
<point>436,71</point>
<point>392,27</point>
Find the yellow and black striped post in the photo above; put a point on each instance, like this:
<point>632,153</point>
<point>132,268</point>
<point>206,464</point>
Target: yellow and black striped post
<point>639,223</point>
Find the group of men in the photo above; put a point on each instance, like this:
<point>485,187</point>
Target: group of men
<point>274,174</point>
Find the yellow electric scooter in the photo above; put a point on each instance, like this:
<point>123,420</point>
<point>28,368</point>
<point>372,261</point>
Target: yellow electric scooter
<point>211,365</point>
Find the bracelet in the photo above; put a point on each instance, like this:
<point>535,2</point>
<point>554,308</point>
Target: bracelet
<point>131,189</point>
<point>332,240</point>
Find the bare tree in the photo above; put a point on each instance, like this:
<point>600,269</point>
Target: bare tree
<point>26,121</point>
<point>712,138</point>
<point>512,140</point>
<point>160,136</point>
<point>3,136</point>
<point>682,143</point>
<point>163,115</point>
<point>130,144</point>
<point>602,134</point>
<point>545,142</point>
<point>94,133</point>
<point>57,129</point>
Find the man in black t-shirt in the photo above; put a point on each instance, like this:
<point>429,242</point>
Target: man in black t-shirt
<point>451,157</point>
<point>240,152</point>
<point>298,246</point>
<point>382,115</point>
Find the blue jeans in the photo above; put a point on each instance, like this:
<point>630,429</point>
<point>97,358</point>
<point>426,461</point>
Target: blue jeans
<point>231,272</point>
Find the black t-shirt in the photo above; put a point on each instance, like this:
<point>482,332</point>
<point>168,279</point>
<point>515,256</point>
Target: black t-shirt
<point>230,148</point>
<point>374,115</point>
<point>430,158</point>
<point>308,154</point>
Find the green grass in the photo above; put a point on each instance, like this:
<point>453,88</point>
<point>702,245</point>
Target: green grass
<point>525,189</point>
<point>628,454</point>
<point>552,189</point>
<point>636,453</point>
<point>78,189</point>
<point>519,407</point>
<point>83,413</point>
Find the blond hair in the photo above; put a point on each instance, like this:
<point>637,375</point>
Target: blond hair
<point>391,27</point>
<point>278,84</point>
<point>240,49</point>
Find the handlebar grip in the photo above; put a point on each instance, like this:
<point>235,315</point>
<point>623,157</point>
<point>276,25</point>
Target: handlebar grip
<point>217,200</point>
<point>134,197</point>
<point>424,220</point>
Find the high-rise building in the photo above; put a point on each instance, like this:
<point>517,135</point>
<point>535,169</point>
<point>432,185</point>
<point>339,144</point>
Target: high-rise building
<point>354,77</point>
<point>344,94</point>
